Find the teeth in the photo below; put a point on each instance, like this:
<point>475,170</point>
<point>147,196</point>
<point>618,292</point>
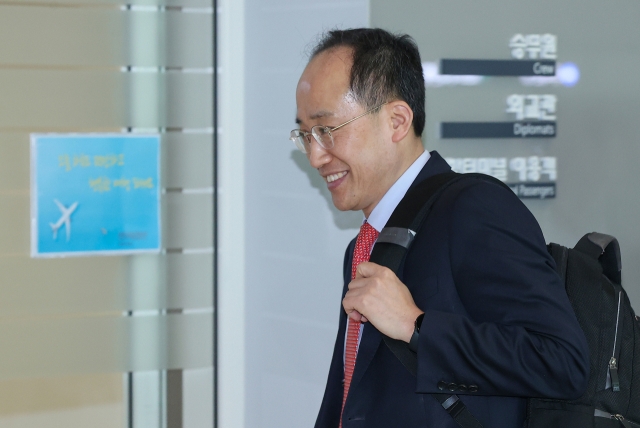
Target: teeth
<point>334,177</point>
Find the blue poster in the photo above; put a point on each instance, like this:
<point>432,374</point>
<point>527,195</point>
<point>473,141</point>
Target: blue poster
<point>94,194</point>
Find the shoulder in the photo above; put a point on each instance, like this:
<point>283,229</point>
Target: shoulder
<point>490,203</point>
<point>487,221</point>
<point>483,192</point>
<point>475,217</point>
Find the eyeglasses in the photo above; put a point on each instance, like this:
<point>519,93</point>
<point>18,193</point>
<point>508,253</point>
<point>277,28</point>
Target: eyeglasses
<point>322,134</point>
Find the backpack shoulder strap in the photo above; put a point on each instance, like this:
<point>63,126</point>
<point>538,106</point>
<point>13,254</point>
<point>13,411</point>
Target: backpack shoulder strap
<point>606,249</point>
<point>405,221</point>
<point>390,249</point>
<point>397,235</point>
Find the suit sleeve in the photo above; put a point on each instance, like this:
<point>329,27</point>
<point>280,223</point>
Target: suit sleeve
<point>329,413</point>
<point>519,336</point>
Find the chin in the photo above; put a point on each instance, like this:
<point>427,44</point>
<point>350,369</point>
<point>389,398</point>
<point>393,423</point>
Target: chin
<point>340,204</point>
<point>343,205</point>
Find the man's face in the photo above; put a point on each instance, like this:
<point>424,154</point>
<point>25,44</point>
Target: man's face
<point>355,169</point>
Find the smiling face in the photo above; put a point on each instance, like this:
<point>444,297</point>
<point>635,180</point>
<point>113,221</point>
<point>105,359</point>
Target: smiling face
<point>364,162</point>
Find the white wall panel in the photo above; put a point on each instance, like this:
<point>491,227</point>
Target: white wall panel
<point>295,238</point>
<point>103,66</point>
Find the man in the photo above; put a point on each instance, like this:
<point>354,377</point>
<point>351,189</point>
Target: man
<point>478,292</point>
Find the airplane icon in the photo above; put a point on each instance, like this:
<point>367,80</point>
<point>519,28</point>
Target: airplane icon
<point>65,219</point>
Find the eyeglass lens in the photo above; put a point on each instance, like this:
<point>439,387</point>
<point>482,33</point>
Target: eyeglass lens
<point>322,135</point>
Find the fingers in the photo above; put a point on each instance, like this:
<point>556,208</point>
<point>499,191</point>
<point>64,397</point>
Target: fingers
<point>377,292</point>
<point>349,304</point>
<point>369,269</point>
<point>368,275</point>
<point>356,316</point>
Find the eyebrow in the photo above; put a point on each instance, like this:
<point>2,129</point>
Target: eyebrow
<point>318,115</point>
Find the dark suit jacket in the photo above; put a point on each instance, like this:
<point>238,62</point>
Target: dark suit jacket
<point>497,322</point>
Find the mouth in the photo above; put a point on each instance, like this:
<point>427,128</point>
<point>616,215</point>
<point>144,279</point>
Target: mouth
<point>334,177</point>
<point>334,180</point>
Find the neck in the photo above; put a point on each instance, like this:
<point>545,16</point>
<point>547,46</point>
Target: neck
<point>412,152</point>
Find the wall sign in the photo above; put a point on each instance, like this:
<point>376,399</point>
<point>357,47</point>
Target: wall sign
<point>498,129</point>
<point>94,194</point>
<point>535,115</point>
<point>540,108</point>
<point>532,177</point>
<point>534,46</point>
<point>534,55</point>
<point>498,67</point>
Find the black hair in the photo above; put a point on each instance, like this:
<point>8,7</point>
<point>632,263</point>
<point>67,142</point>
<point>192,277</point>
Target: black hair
<point>385,67</point>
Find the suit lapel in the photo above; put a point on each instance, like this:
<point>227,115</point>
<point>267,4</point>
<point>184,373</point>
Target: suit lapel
<point>368,343</point>
<point>371,337</point>
<point>368,346</point>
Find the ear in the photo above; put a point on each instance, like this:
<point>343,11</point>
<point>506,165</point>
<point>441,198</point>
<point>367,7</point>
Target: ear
<point>401,120</point>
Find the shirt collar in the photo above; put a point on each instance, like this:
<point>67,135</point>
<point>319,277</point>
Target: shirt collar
<point>382,212</point>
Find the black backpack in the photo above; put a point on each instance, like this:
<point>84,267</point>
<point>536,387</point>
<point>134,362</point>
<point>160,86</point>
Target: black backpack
<point>592,276</point>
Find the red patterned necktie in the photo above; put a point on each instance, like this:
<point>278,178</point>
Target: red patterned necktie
<point>361,253</point>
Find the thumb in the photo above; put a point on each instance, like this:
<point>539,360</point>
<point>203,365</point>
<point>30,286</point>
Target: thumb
<point>367,269</point>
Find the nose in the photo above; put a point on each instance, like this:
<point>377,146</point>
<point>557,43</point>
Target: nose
<point>318,155</point>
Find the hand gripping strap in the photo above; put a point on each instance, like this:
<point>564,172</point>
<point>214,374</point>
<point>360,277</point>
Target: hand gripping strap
<point>390,251</point>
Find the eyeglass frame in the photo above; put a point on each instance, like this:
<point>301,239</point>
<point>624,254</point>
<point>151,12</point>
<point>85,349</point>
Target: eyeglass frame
<point>329,129</point>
